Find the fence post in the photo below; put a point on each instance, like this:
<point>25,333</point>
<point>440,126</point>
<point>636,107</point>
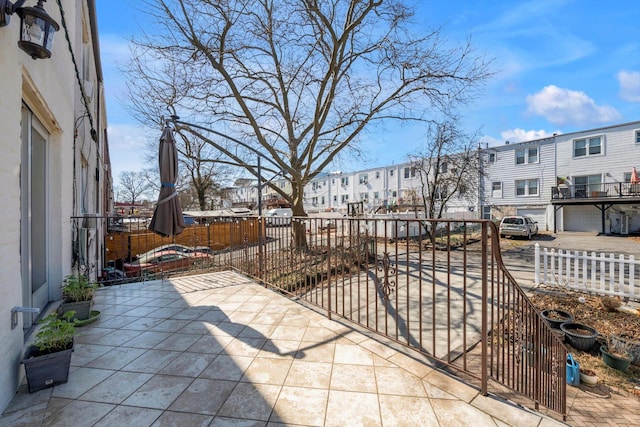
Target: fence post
<point>329,269</point>
<point>536,280</point>
<point>632,270</point>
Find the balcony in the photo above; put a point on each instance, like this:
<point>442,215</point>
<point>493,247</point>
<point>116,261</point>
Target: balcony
<point>614,192</point>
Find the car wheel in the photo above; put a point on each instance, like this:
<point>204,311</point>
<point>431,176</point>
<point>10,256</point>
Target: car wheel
<point>502,236</point>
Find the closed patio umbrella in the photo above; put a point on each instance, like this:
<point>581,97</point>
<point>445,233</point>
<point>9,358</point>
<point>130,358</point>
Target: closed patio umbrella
<point>167,218</point>
<point>634,177</point>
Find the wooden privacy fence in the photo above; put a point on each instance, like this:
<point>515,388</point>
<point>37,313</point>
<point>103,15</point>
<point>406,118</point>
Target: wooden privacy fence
<point>124,245</point>
<point>602,273</point>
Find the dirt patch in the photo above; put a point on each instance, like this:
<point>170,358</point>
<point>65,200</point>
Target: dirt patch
<point>596,313</point>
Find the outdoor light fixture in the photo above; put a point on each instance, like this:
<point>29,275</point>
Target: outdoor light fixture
<point>36,27</point>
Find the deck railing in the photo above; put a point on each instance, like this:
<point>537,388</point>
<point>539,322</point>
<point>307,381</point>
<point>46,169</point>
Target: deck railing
<point>608,190</point>
<point>437,287</point>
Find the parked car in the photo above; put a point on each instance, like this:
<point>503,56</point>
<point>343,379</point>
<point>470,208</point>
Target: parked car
<point>278,217</point>
<point>518,225</point>
<point>174,247</point>
<point>162,261</point>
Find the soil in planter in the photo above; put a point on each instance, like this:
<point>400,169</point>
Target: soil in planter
<point>554,315</point>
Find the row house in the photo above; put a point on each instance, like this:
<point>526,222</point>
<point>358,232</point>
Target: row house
<point>56,180</point>
<point>578,181</point>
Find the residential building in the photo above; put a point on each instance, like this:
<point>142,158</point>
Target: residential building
<point>579,181</point>
<point>55,172</point>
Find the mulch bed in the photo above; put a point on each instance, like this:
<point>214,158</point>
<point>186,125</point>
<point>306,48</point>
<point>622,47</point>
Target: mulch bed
<point>593,312</point>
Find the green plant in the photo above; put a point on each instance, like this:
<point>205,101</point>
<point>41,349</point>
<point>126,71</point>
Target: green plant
<point>56,333</point>
<point>78,288</point>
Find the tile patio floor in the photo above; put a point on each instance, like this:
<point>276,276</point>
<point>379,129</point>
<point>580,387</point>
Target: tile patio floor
<point>220,350</point>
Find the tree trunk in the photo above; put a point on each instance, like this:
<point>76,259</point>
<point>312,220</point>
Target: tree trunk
<point>298,227</point>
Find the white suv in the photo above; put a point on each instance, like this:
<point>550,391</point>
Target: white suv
<point>518,225</point>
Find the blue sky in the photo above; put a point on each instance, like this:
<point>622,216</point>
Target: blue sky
<point>561,66</point>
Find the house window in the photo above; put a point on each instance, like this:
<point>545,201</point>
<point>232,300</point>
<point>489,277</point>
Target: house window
<point>409,172</point>
<point>391,172</point>
<point>335,199</point>
<point>527,187</point>
<point>584,185</point>
<point>486,212</point>
<point>587,147</point>
<point>345,198</point>
<point>394,194</point>
<point>377,174</point>
<point>345,180</point>
<point>364,197</point>
<point>496,189</point>
<point>638,136</point>
<point>492,157</point>
<point>376,195</point>
<point>322,201</point>
<point>444,167</point>
<point>363,178</point>
<point>527,155</point>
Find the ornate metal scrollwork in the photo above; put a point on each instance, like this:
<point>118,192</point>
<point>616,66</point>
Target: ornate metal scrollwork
<point>385,284</point>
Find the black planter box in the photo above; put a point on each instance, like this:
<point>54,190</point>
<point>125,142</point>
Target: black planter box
<point>48,370</point>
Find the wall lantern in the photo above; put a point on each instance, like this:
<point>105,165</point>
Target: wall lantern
<point>36,27</point>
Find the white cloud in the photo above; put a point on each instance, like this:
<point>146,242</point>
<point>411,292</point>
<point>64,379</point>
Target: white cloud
<point>517,135</point>
<point>520,135</point>
<point>568,107</point>
<point>629,85</point>
<point>127,146</point>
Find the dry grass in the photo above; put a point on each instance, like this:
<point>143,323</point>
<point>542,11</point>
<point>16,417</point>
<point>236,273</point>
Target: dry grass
<point>600,314</point>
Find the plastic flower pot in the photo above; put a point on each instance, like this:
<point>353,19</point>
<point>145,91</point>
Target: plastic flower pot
<point>614,361</point>
<point>581,337</point>
<point>588,377</point>
<point>555,318</point>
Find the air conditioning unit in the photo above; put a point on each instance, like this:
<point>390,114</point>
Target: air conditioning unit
<point>624,224</point>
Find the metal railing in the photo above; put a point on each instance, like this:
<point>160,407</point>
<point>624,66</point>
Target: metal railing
<point>437,287</point>
<point>609,190</point>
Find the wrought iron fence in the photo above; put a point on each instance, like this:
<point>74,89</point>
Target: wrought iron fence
<point>436,286</point>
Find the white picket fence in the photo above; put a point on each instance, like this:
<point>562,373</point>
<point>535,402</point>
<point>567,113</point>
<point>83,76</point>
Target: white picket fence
<point>605,274</point>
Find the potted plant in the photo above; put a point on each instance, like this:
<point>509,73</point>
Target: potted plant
<point>616,354</point>
<point>555,317</point>
<point>629,344</point>
<point>46,362</point>
<point>581,337</point>
<point>588,377</point>
<point>77,293</point>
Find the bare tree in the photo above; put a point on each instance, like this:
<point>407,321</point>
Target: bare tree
<point>449,167</point>
<point>202,171</point>
<point>298,81</point>
<point>133,186</point>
